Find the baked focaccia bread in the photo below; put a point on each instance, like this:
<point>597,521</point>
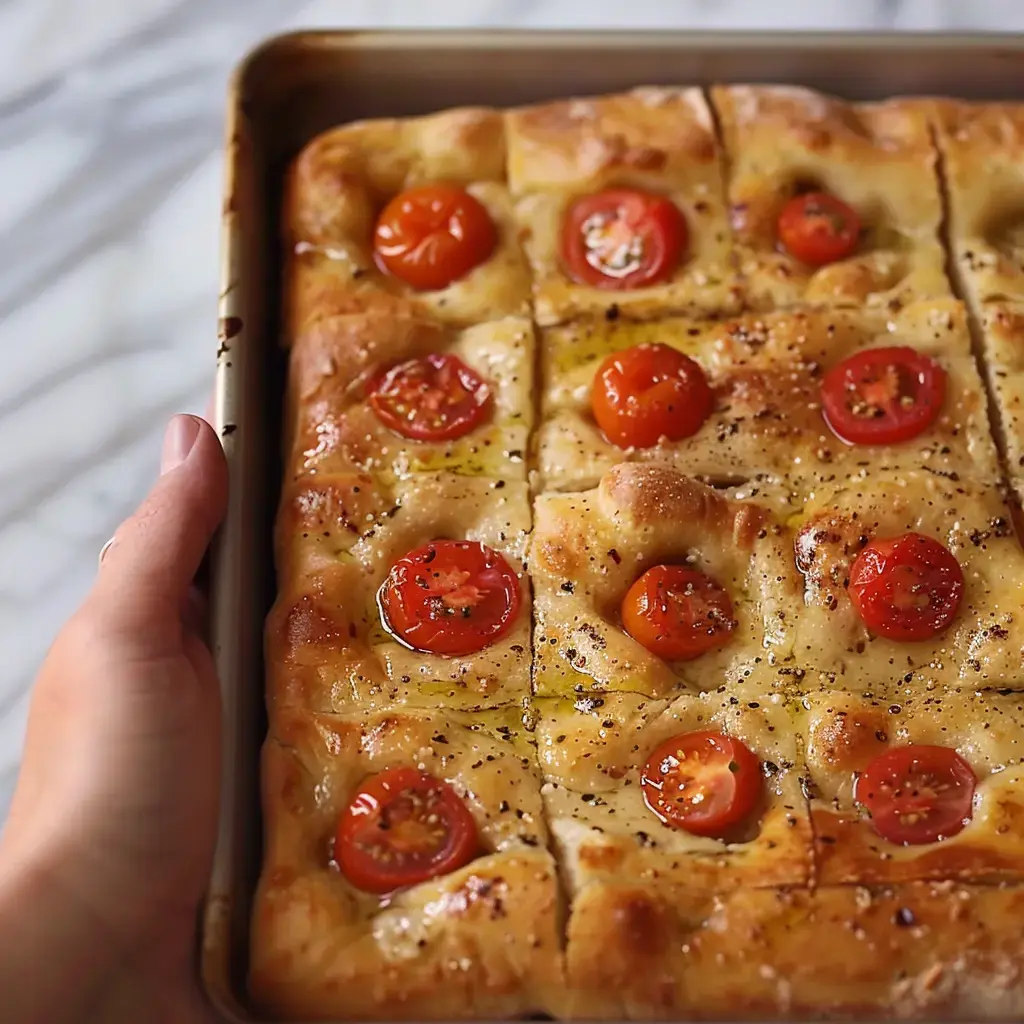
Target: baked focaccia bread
<point>358,555</point>
<point>766,397</point>
<point>851,544</point>
<point>982,147</point>
<point>971,743</point>
<point>344,217</point>
<point>796,157</point>
<point>598,557</point>
<point>598,753</point>
<point>648,640</point>
<point>352,381</point>
<point>580,168</point>
<point>331,937</point>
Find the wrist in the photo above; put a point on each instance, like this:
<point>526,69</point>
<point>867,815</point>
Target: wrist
<point>62,961</point>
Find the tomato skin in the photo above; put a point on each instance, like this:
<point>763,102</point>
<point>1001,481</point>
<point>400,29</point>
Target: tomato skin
<point>702,782</point>
<point>906,588</point>
<point>816,228</point>
<point>883,395</point>
<point>402,827</point>
<point>450,597</point>
<point>648,392</point>
<point>678,613</point>
<point>917,794</point>
<point>433,235</point>
<point>434,398</point>
<point>621,239</point>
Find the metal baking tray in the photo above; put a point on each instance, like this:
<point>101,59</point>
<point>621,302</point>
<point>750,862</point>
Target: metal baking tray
<point>292,87</point>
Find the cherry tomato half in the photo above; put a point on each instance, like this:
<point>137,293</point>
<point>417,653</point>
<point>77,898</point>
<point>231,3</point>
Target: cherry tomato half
<point>906,588</point>
<point>450,597</point>
<point>883,395</point>
<point>403,827</point>
<point>678,613</point>
<point>702,782</point>
<point>649,392</point>
<point>436,398</point>
<point>622,238</point>
<point>917,794</point>
<point>433,235</point>
<point>816,228</point>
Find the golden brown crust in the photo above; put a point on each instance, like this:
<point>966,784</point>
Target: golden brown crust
<point>343,178</point>
<point>983,162</point>
<point>845,732</point>
<point>807,911</point>
<point>984,646</point>
<point>592,752</point>
<point>930,951</point>
<point>482,940</point>
<point>876,157</point>
<point>333,429</point>
<point>587,550</point>
<point>766,372</point>
<point>658,140</point>
<point>337,538</point>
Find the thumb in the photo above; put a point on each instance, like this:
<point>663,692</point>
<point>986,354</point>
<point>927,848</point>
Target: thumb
<point>152,559</point>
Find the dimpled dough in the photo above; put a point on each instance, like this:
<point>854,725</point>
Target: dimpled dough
<point>581,903</point>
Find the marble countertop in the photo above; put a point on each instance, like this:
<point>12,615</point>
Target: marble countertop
<point>110,129</point>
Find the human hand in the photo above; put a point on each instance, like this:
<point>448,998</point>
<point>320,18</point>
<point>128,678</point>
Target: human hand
<point>108,844</point>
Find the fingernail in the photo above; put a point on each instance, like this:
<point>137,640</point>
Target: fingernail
<point>179,440</point>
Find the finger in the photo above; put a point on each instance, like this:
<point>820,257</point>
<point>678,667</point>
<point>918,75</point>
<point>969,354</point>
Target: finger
<point>156,553</point>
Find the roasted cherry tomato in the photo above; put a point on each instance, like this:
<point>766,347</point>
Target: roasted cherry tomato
<point>817,228</point>
<point>622,238</point>
<point>436,398</point>
<point>433,235</point>
<point>649,392</point>
<point>917,794</point>
<point>906,588</point>
<point>450,597</point>
<point>883,395</point>
<point>402,827</point>
<point>702,782</point>
<point>677,613</point>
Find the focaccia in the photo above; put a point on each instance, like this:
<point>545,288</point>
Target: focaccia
<point>918,951</point>
<point>845,732</point>
<point>592,752</point>
<point>482,941</point>
<point>878,158</point>
<point>982,146</point>
<point>587,550</point>
<point>983,646</point>
<point>337,540</point>
<point>337,187</point>
<point>648,636</point>
<point>766,372</point>
<point>658,140</point>
<point>334,428</point>
<point>1002,327</point>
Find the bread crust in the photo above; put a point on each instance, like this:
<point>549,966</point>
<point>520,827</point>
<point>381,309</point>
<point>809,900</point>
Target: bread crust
<point>588,548</point>
<point>982,146</point>
<point>592,753</point>
<point>481,941</point>
<point>845,732</point>
<point>582,904</point>
<point>766,425</point>
<point>876,157</point>
<point>341,181</point>
<point>332,427</point>
<point>928,950</point>
<point>660,140</point>
<point>337,538</point>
